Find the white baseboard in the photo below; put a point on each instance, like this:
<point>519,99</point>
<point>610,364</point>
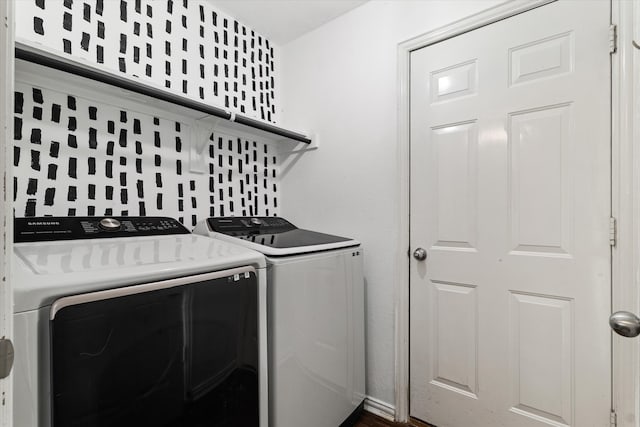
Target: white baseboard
<point>378,407</point>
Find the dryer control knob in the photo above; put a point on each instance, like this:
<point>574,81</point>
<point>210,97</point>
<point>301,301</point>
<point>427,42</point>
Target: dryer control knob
<point>109,224</point>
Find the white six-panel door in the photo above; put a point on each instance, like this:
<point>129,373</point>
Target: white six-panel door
<point>510,197</point>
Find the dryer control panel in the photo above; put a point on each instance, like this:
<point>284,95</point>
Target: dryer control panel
<point>241,225</point>
<point>50,228</point>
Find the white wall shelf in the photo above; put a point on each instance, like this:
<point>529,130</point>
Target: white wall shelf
<point>48,58</point>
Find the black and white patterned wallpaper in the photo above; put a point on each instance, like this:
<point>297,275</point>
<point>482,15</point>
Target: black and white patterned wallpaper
<point>75,156</point>
<point>182,45</point>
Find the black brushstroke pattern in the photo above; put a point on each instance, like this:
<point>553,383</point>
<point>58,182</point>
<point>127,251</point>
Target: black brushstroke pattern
<point>100,54</point>
<point>72,170</point>
<point>55,113</point>
<point>18,103</point>
<point>67,21</point>
<point>36,136</point>
<point>93,139</point>
<point>17,128</point>
<point>123,43</point>
<point>72,194</point>
<point>37,96</point>
<point>37,25</point>
<point>30,209</point>
<point>123,10</point>
<point>86,12</point>
<point>37,113</point>
<point>84,42</point>
<point>52,171</point>
<point>91,164</point>
<point>54,149</point>
<point>49,196</point>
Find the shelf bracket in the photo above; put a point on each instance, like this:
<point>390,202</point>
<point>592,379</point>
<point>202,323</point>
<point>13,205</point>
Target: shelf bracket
<point>201,131</point>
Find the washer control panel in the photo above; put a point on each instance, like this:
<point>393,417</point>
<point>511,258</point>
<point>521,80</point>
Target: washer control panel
<point>41,229</point>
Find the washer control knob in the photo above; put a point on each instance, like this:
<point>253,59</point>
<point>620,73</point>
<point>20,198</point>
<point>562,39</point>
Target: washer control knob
<point>255,221</point>
<point>109,224</point>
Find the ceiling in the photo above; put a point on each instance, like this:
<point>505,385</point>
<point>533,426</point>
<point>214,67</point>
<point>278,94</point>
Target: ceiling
<point>284,20</point>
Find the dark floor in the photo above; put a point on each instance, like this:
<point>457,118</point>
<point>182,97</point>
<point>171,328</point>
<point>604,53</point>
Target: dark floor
<point>370,420</point>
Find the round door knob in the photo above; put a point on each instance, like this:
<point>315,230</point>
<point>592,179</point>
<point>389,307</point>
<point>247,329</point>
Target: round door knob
<point>109,224</point>
<point>420,254</point>
<point>625,324</point>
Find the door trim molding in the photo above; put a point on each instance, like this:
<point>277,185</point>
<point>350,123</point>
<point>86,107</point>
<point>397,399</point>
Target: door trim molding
<point>6,200</point>
<point>625,207</point>
<point>401,291</point>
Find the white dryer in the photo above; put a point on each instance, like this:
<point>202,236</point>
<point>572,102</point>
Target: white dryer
<point>315,309</point>
<point>134,321</point>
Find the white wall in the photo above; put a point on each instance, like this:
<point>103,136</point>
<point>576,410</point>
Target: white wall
<point>340,81</point>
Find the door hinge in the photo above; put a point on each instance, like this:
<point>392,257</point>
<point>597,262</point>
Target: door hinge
<point>6,357</point>
<point>613,231</point>
<point>613,39</point>
<point>613,418</point>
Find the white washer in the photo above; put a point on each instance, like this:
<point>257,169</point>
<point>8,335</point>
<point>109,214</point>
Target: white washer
<point>135,321</point>
<point>315,309</point>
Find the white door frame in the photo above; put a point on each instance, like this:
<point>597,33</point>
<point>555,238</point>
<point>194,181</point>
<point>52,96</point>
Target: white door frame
<point>625,198</point>
<point>6,197</point>
<point>625,94</point>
